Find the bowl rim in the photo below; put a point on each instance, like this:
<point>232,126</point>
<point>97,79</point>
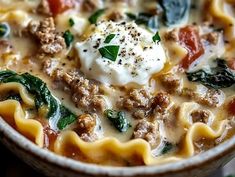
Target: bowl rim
<point>26,145</point>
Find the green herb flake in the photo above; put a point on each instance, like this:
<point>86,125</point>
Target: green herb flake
<point>110,52</point>
<point>4,30</point>
<point>109,38</point>
<point>68,37</point>
<point>71,22</point>
<point>118,119</point>
<point>156,37</point>
<point>94,17</point>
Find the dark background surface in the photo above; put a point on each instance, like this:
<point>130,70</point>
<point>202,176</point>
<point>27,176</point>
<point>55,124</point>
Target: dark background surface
<point>11,166</point>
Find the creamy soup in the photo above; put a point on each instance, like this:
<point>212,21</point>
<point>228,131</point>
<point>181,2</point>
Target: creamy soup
<point>119,82</point>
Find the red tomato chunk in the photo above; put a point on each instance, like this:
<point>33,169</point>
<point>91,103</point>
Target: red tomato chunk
<point>59,6</point>
<point>189,39</point>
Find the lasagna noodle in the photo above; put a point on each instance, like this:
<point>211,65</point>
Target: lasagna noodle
<point>19,17</point>
<point>219,13</point>
<point>126,151</point>
<point>12,109</point>
<point>185,111</point>
<point>137,147</point>
<point>11,5</point>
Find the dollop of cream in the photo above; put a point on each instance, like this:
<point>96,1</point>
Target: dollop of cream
<point>138,56</point>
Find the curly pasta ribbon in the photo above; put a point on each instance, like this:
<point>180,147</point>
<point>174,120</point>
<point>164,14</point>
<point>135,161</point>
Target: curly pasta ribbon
<point>18,17</point>
<point>12,109</point>
<point>217,10</point>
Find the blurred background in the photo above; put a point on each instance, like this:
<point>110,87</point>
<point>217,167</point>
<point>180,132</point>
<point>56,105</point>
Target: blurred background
<point>11,166</point>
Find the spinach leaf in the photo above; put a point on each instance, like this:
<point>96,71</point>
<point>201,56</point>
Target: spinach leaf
<point>6,73</point>
<point>144,18</point>
<point>118,119</point>
<point>14,97</point>
<point>131,16</point>
<point>174,10</point>
<point>218,77</point>
<point>67,118</point>
<point>42,96</point>
<point>167,148</point>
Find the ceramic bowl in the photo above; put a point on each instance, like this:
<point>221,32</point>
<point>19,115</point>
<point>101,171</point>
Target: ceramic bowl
<point>57,166</point>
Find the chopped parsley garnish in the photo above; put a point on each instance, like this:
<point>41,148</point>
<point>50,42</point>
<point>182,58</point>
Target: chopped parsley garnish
<point>109,38</point>
<point>68,37</point>
<point>4,29</point>
<point>71,22</point>
<point>118,119</point>
<point>94,17</point>
<point>156,37</point>
<point>110,52</point>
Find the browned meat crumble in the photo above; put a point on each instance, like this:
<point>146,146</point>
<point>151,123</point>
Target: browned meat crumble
<point>142,104</point>
<point>147,131</point>
<point>43,8</point>
<point>85,127</point>
<point>115,16</point>
<point>51,42</point>
<point>89,5</point>
<point>211,37</point>
<point>172,35</point>
<point>171,82</point>
<point>200,116</point>
<point>85,94</point>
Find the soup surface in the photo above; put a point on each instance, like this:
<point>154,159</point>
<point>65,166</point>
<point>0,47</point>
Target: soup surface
<point>119,82</point>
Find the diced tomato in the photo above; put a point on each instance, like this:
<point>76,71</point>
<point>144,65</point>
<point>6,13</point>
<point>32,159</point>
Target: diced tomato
<point>59,6</point>
<point>231,107</point>
<point>231,64</point>
<point>189,39</point>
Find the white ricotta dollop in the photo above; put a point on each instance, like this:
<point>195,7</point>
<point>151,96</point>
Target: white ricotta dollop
<point>138,56</point>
